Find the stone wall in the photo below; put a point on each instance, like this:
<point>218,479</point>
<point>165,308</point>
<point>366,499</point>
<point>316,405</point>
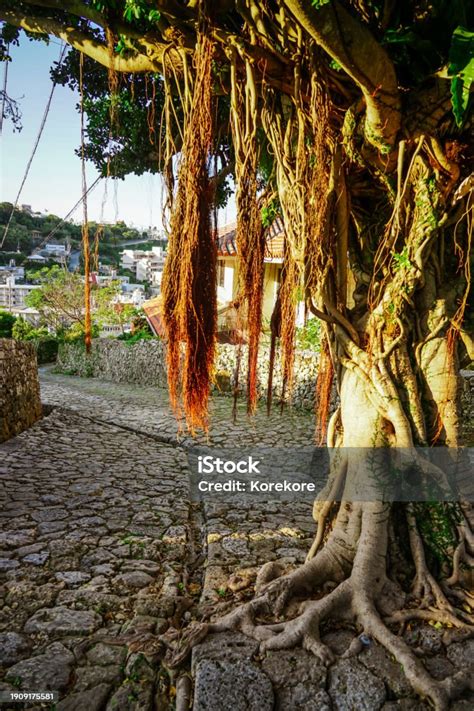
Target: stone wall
<point>144,363</point>
<point>20,404</point>
<point>305,373</point>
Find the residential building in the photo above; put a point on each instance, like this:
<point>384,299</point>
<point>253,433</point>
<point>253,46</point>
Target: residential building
<point>108,279</point>
<point>133,294</point>
<point>51,250</point>
<point>54,250</point>
<point>11,270</point>
<point>38,258</point>
<point>13,295</point>
<point>28,314</point>
<point>150,265</point>
<point>228,271</point>
<point>228,283</point>
<point>144,265</point>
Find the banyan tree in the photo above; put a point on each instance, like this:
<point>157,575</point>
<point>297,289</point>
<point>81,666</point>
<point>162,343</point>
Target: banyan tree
<point>349,119</point>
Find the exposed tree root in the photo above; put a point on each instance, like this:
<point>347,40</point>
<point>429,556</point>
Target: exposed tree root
<point>357,575</point>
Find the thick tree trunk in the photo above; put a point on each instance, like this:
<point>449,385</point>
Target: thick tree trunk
<point>351,553</point>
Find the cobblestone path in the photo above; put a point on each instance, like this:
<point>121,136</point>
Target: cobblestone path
<point>147,410</point>
<point>100,545</point>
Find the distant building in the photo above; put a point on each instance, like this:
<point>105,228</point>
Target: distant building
<point>53,249</point>
<point>108,279</point>
<point>144,264</point>
<point>108,270</point>
<point>13,295</point>
<point>135,297</point>
<point>11,270</point>
<point>28,314</point>
<point>133,294</point>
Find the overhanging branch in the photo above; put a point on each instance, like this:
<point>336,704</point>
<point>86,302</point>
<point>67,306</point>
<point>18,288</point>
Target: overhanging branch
<point>352,45</point>
<point>150,61</point>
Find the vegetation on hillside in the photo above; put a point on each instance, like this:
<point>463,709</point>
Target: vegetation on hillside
<point>20,242</point>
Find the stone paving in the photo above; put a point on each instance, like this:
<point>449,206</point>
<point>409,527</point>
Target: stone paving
<point>101,545</point>
<point>94,534</point>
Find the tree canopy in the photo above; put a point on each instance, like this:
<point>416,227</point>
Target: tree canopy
<point>350,119</point>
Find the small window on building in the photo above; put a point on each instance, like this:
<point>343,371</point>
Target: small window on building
<point>220,272</point>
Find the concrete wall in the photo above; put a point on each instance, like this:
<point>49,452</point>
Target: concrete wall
<point>20,404</point>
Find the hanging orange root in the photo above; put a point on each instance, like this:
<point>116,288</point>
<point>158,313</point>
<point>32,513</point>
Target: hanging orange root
<point>85,222</point>
<point>323,393</point>
<point>288,293</point>
<point>251,241</point>
<point>189,279</point>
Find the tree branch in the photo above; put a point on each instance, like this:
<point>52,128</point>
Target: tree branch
<point>361,56</point>
<point>74,7</point>
<point>150,61</point>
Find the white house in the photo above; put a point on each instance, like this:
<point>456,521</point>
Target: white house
<point>54,249</point>
<point>228,282</point>
<point>131,294</point>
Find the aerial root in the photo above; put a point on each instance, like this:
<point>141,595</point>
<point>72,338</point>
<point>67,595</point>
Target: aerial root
<point>344,582</point>
<point>413,668</point>
<point>268,572</point>
<point>347,602</point>
<point>461,554</point>
<point>324,503</point>
<point>425,586</point>
<point>463,595</point>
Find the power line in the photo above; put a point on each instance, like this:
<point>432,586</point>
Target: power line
<point>38,138</point>
<point>73,209</point>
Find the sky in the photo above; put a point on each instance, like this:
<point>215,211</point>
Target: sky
<point>54,181</point>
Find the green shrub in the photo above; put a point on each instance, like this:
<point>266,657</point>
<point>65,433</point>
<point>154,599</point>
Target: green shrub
<point>308,337</point>
<point>75,333</point>
<point>46,349</point>
<point>7,323</point>
<point>131,338</point>
<point>25,331</point>
<point>46,345</point>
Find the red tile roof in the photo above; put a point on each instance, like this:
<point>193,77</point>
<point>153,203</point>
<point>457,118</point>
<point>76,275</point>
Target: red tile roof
<point>227,242</point>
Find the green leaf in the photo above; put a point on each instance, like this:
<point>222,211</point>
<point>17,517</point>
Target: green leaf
<point>400,36</point>
<point>154,15</point>
<point>461,69</point>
